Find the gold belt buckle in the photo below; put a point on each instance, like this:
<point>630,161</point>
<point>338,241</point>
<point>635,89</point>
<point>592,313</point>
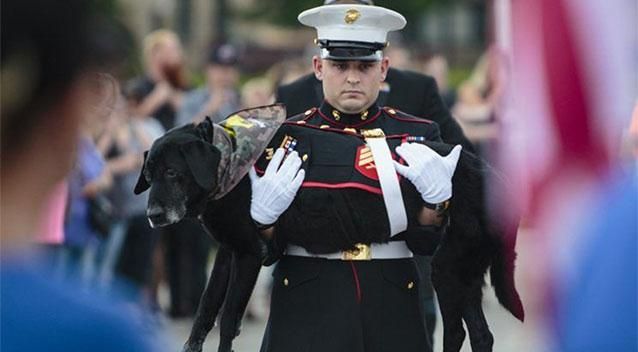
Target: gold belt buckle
<point>361,252</point>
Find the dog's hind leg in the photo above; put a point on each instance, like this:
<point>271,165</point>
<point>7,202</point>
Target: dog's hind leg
<point>451,293</point>
<point>243,278</point>
<point>481,338</point>
<point>211,300</point>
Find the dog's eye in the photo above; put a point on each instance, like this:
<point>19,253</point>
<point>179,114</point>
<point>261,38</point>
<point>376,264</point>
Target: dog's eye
<point>170,173</point>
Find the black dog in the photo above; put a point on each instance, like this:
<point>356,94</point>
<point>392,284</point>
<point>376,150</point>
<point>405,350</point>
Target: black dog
<point>183,171</point>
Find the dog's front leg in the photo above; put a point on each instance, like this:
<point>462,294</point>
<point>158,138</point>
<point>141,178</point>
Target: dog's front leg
<point>211,300</point>
<point>244,275</point>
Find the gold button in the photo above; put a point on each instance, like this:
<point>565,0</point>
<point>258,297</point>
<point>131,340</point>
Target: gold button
<point>324,126</point>
<point>392,111</point>
<point>308,112</point>
<point>351,130</point>
<point>304,157</point>
<point>410,285</point>
<point>285,281</point>
<point>301,122</point>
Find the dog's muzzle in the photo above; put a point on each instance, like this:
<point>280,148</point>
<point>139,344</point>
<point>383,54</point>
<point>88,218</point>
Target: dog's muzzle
<point>156,217</point>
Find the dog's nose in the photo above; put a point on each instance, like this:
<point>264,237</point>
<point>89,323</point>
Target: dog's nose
<point>156,216</point>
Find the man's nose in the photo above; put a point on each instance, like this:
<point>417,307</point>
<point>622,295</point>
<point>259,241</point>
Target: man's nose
<point>353,77</point>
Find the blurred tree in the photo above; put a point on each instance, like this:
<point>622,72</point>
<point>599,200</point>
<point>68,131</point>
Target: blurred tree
<point>184,9</point>
<point>284,12</point>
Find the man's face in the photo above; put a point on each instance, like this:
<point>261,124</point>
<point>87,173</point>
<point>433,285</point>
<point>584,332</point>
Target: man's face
<point>350,86</point>
<point>170,53</point>
<point>222,76</point>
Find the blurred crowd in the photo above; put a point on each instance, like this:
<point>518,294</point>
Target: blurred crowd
<point>94,229</point>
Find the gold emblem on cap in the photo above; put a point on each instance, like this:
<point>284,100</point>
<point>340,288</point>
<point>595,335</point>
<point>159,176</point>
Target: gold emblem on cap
<point>336,115</point>
<point>410,285</point>
<point>352,16</point>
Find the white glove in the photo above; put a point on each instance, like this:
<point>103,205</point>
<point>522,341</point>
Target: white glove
<point>273,193</point>
<point>428,171</point>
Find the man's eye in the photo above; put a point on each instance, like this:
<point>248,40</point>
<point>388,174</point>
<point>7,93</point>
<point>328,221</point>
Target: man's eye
<point>365,67</point>
<point>341,67</point>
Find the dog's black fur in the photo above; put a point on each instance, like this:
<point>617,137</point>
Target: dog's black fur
<point>181,170</point>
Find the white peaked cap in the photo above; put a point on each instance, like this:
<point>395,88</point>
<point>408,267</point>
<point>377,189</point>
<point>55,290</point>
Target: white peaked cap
<point>352,22</point>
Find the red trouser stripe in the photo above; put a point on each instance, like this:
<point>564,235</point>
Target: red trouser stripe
<point>356,281</point>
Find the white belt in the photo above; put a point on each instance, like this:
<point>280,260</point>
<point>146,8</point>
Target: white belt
<point>390,250</point>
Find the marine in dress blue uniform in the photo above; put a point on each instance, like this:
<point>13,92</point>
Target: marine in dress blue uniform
<point>343,283</point>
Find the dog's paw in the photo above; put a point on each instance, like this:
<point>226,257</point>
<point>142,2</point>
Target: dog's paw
<point>225,345</point>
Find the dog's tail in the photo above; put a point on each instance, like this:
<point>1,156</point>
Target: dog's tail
<point>504,232</point>
<point>502,276</point>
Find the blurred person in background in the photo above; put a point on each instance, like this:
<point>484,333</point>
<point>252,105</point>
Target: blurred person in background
<point>88,178</point>
<point>257,92</point>
<point>50,232</point>
<point>424,101</point>
<point>437,67</point>
<point>133,242</point>
<point>165,80</point>
<point>398,53</point>
<point>288,71</point>
<point>477,99</point>
<point>48,75</point>
<point>87,182</point>
<point>220,96</point>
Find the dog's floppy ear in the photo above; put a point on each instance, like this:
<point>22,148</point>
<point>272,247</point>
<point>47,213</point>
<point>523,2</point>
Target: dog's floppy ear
<point>202,159</point>
<point>142,185</point>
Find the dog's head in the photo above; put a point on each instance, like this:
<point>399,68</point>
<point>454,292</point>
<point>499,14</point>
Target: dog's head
<point>181,171</point>
<point>194,163</point>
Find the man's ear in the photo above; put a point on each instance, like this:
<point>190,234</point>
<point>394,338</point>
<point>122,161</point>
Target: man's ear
<point>142,185</point>
<point>385,64</point>
<point>317,67</point>
<point>202,160</point>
